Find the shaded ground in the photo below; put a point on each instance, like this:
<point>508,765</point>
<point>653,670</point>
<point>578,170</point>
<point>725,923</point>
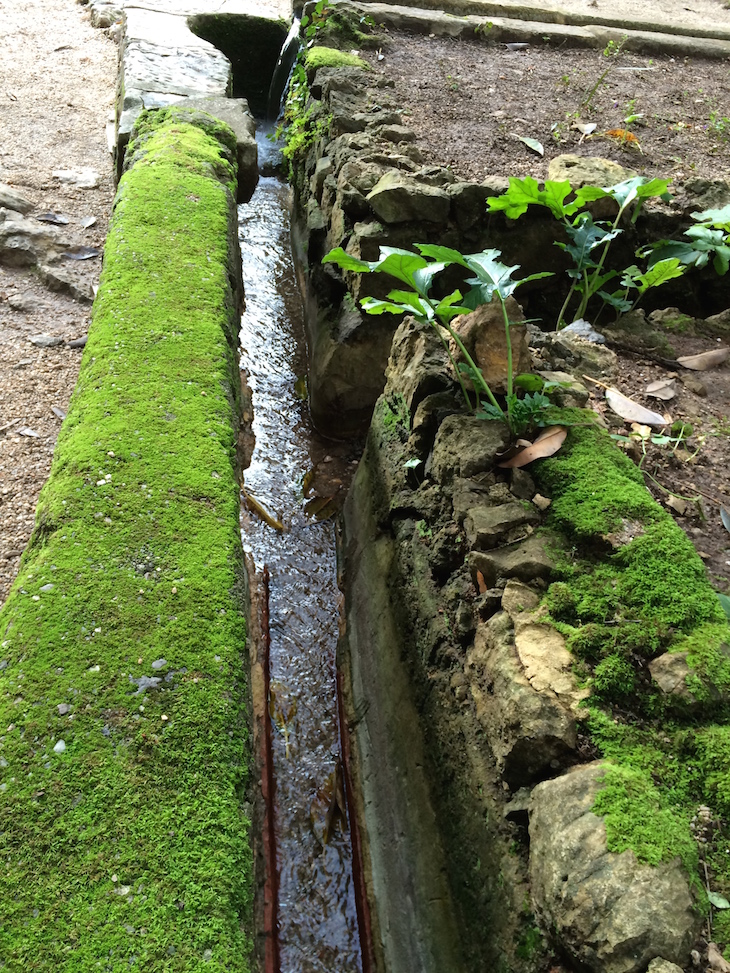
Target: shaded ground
<point>57,78</point>
<point>468,102</point>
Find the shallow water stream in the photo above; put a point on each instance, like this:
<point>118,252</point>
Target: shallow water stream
<point>292,473</point>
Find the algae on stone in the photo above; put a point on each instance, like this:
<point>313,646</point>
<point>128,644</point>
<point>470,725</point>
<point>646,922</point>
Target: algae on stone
<point>124,823</point>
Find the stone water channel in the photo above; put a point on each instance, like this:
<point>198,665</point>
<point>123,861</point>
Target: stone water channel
<point>317,918</point>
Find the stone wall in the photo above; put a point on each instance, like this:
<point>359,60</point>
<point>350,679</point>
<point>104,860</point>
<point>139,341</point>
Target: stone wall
<point>475,705</point>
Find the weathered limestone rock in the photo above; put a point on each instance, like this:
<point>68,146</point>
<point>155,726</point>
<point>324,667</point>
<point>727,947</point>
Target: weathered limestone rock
<point>670,672</point>
<point>587,171</point>
<point>468,201</point>
<point>417,364</point>
<point>24,243</point>
<point>489,526</point>
<point>483,335</point>
<point>607,911</point>
<point>235,113</point>
<point>582,356</point>
<point>13,200</point>
<point>706,194</point>
<point>465,446</point>
<point>526,561</point>
<point>530,732</point>
<point>162,62</point>
<point>518,598</point>
<point>399,199</point>
<point>347,366</point>
<point>663,966</point>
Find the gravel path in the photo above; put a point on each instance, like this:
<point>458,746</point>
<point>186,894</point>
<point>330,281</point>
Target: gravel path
<point>57,78</point>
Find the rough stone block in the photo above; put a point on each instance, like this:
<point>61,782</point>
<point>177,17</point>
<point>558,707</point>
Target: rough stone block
<point>400,199</point>
<point>607,911</point>
<point>487,527</point>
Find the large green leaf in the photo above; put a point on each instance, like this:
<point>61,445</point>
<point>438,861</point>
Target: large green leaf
<point>585,236</point>
<point>490,270</point>
<point>346,261</point>
<point>616,300</point>
<point>721,263</point>
<point>450,307</point>
<point>421,307</point>
<point>719,218</point>
<point>521,194</point>
<point>444,254</point>
<point>659,274</point>
<point>422,279</point>
<point>637,188</point>
<point>553,196</point>
<point>374,306</point>
<point>401,264</point>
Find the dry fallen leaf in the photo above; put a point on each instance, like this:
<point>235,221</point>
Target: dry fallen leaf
<point>665,389</point>
<point>725,517</point>
<point>585,128</point>
<point>548,442</point>
<point>632,411</point>
<point>716,960</point>
<point>677,504</point>
<point>708,359</point>
<point>481,583</point>
<point>643,432</point>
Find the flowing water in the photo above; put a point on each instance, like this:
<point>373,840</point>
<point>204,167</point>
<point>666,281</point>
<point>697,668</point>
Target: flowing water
<point>293,473</point>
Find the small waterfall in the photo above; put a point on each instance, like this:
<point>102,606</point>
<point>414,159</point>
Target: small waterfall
<point>282,72</point>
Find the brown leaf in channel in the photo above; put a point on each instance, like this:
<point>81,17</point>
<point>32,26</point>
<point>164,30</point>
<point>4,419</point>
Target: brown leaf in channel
<point>548,442</point>
<point>632,411</point>
<point>706,360</point>
<point>481,583</point>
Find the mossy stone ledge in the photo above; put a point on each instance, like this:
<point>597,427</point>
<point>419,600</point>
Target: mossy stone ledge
<point>124,730</point>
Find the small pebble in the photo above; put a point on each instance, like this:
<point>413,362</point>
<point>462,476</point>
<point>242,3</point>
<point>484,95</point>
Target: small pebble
<point>63,708</point>
<point>46,587</point>
<point>164,718</point>
<point>159,663</point>
<point>60,747</point>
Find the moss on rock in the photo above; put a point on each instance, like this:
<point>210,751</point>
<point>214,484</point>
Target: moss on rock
<point>330,57</point>
<point>633,587</point>
<point>124,827</point>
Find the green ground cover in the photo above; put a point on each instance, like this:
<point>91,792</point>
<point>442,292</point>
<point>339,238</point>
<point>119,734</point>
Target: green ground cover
<point>124,740</point>
<point>632,588</point>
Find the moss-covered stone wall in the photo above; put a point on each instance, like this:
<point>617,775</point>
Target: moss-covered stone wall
<point>124,737</point>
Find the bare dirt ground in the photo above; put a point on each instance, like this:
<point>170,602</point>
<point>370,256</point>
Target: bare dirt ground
<point>468,103</point>
<point>57,78</point>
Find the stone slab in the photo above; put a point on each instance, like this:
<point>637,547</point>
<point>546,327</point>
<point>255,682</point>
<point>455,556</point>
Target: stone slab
<point>704,20</point>
<point>510,29</point>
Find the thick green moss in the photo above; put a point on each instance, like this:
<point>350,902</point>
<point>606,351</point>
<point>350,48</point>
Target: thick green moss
<point>595,488</point>
<point>638,817</point>
<point>330,57</point>
<point>129,844</point>
<point>633,587</point>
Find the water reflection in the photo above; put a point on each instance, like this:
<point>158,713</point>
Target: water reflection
<point>317,916</point>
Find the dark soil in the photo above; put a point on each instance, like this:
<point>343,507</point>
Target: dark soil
<point>467,103</point>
